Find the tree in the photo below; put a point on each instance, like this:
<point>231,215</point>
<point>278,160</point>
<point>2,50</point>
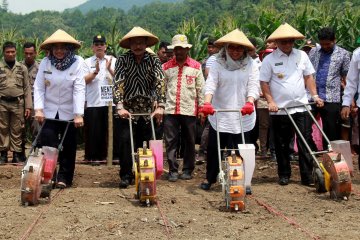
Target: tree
<point>5,5</point>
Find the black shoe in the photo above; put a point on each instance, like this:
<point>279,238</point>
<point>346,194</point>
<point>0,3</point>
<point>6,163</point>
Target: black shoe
<point>205,186</point>
<point>124,183</point>
<point>248,190</point>
<point>283,181</point>
<point>186,176</point>
<point>307,182</point>
<point>17,157</point>
<point>3,157</point>
<point>173,176</point>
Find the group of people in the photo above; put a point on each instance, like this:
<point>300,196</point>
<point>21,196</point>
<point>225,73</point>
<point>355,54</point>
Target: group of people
<point>178,92</point>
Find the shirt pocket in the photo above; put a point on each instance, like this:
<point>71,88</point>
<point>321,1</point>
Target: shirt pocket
<point>280,72</point>
<point>2,80</point>
<point>19,76</point>
<point>69,80</point>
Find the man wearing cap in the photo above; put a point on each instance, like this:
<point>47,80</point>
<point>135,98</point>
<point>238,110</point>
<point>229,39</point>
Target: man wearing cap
<point>15,98</point>
<point>284,74</point>
<point>99,71</point>
<point>331,64</point>
<point>184,82</point>
<point>138,88</point>
<point>308,46</point>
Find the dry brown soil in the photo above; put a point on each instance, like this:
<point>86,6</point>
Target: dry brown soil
<point>95,208</point>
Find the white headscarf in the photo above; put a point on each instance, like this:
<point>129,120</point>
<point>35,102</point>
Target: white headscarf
<point>228,63</point>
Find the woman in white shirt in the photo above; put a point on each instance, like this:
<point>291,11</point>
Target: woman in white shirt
<point>59,93</point>
<point>233,83</point>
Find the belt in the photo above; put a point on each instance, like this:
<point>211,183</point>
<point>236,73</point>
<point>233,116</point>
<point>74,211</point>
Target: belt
<point>11,99</point>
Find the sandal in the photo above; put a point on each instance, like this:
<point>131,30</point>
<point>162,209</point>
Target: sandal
<point>61,185</point>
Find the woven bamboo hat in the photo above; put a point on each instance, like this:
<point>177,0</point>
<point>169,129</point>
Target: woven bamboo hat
<point>138,32</point>
<point>285,31</point>
<point>60,36</point>
<point>235,37</point>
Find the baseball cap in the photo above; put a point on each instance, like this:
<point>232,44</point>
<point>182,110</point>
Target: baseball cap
<point>99,38</point>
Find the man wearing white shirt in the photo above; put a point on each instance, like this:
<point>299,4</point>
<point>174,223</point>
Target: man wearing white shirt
<point>284,74</point>
<point>352,87</point>
<point>99,71</point>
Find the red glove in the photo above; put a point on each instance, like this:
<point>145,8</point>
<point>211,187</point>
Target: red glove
<point>207,109</point>
<point>248,108</point>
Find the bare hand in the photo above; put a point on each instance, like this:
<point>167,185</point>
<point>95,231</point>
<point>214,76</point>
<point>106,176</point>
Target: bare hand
<point>39,116</point>
<point>78,121</point>
<point>123,113</point>
<point>345,112</point>
<point>158,114</point>
<point>97,65</point>
<point>27,113</point>
<point>202,118</point>
<point>319,102</point>
<point>273,107</point>
<point>108,63</point>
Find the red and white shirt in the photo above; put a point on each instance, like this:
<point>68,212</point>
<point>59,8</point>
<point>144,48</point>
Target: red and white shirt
<point>184,86</point>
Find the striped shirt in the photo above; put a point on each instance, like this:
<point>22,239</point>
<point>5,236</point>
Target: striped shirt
<point>138,85</point>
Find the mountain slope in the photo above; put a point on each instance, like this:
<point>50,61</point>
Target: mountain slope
<point>122,4</point>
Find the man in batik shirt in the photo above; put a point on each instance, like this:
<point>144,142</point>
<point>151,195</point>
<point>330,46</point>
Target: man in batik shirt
<point>138,88</point>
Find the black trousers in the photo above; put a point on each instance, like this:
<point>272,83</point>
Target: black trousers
<point>228,140</point>
<point>172,126</point>
<point>96,134</point>
<point>141,132</point>
<point>283,133</point>
<point>331,120</point>
<point>51,135</point>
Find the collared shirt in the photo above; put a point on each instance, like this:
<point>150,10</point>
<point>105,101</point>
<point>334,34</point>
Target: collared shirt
<point>14,82</point>
<point>330,68</point>
<point>183,87</point>
<point>102,78</point>
<point>138,85</point>
<point>352,80</point>
<point>230,90</point>
<point>61,92</point>
<point>32,70</point>
<point>285,74</point>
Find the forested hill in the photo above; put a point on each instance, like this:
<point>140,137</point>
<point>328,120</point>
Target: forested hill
<point>120,4</point>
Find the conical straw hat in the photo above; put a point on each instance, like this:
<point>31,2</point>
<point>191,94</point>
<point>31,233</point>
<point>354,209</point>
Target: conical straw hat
<point>235,37</point>
<point>285,31</point>
<point>60,36</point>
<point>138,32</point>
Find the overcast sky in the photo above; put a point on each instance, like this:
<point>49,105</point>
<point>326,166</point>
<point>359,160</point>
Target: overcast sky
<point>26,6</point>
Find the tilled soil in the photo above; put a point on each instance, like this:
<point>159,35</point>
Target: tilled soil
<point>95,208</point>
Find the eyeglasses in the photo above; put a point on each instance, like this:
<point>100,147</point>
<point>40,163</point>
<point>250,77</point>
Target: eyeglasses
<point>99,44</point>
<point>286,41</point>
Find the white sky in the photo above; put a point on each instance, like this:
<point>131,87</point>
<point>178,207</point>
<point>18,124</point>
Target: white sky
<point>26,6</point>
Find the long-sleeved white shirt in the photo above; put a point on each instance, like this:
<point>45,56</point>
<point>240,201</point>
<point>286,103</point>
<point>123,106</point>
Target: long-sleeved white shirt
<point>60,92</point>
<point>352,80</point>
<point>230,90</point>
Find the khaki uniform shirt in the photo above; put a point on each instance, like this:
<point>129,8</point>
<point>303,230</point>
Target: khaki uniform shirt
<point>15,82</point>
<point>32,73</point>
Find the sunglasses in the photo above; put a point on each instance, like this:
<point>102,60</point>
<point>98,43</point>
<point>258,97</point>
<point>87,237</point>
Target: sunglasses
<point>99,44</point>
